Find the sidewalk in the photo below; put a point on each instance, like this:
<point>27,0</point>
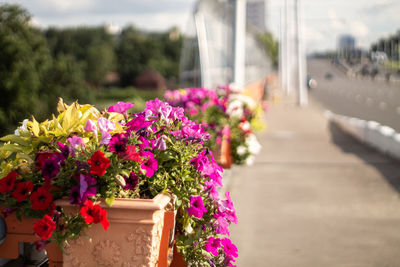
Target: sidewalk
<point>315,197</point>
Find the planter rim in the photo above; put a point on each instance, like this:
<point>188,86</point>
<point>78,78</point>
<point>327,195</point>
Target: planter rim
<point>157,203</point>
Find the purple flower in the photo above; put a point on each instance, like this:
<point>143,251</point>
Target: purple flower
<point>212,245</point>
<point>230,249</point>
<point>41,244</point>
<point>75,142</point>
<point>160,143</point>
<point>120,107</point>
<point>196,208</point>
<point>7,211</point>
<point>131,182</point>
<point>64,149</point>
<point>81,166</point>
<point>91,127</point>
<point>74,195</point>
<point>86,188</point>
<point>118,144</point>
<point>50,168</point>
<point>150,164</point>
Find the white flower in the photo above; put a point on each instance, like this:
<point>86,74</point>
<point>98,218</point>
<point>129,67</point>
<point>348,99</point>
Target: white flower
<point>241,150</point>
<point>246,126</point>
<point>23,128</point>
<point>250,160</point>
<point>253,144</point>
<point>235,109</point>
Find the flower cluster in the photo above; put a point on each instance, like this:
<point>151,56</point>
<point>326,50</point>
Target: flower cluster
<point>204,107</point>
<point>86,156</point>
<point>224,113</point>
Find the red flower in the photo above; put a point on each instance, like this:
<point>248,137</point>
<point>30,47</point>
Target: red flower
<point>98,163</point>
<point>94,214</point>
<point>7,183</point>
<point>22,191</point>
<point>131,154</point>
<point>44,228</point>
<point>41,199</point>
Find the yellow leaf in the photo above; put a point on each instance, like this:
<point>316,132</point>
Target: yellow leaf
<point>34,126</point>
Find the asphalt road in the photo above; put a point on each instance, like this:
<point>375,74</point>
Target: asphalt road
<point>362,98</point>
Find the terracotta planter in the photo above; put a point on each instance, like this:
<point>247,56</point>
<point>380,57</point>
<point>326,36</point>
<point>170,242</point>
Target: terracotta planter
<point>138,235</point>
<point>177,260</point>
<point>22,231</point>
<point>222,153</point>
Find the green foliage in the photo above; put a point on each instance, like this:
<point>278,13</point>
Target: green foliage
<point>138,51</point>
<point>271,46</point>
<point>92,47</point>
<point>24,61</point>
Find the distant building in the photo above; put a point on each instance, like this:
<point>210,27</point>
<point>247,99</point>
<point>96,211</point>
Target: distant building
<point>255,14</point>
<point>346,42</point>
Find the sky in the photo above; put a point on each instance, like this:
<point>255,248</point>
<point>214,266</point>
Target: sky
<point>322,20</point>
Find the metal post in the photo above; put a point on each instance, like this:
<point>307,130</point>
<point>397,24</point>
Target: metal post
<point>281,51</point>
<point>239,43</point>
<point>203,50</point>
<point>302,91</point>
<point>287,51</point>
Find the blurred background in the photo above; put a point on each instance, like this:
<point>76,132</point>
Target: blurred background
<point>343,55</point>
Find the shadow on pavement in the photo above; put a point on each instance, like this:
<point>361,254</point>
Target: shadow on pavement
<point>387,166</point>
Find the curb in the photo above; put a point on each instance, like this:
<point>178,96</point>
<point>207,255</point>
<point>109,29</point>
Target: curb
<point>383,138</point>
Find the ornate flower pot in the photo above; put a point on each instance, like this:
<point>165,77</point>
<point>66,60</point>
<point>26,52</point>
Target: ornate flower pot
<point>22,231</point>
<point>138,235</point>
<point>133,238</point>
<point>222,153</point>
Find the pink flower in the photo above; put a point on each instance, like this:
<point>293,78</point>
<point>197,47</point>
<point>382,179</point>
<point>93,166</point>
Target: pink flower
<point>227,209</point>
<point>230,249</point>
<point>196,208</point>
<point>120,107</point>
<point>105,126</point>
<point>91,127</point>
<point>212,245</point>
<point>75,142</point>
<point>150,164</point>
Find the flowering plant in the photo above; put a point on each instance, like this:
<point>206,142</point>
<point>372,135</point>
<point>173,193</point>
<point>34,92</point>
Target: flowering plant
<point>204,107</point>
<point>85,156</point>
<point>223,112</point>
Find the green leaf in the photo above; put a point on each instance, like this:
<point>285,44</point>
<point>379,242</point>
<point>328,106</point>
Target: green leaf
<point>15,139</point>
<point>110,201</point>
<point>12,148</point>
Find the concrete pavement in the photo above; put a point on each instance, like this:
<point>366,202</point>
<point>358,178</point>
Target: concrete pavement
<point>315,197</point>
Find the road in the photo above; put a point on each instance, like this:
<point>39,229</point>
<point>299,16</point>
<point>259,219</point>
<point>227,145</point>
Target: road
<point>356,97</point>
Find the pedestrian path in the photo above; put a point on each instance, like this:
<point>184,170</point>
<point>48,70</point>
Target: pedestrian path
<point>315,197</point>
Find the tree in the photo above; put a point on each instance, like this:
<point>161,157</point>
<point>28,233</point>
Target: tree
<point>271,47</point>
<point>30,80</point>
<point>24,59</point>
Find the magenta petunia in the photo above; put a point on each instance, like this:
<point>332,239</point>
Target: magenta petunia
<point>196,208</point>
<point>149,165</point>
<point>212,245</point>
<point>131,182</point>
<point>230,249</point>
<point>120,107</point>
<point>138,123</point>
<point>118,144</point>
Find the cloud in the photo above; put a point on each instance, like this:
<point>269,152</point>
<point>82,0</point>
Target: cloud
<point>358,29</point>
<point>379,6</point>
